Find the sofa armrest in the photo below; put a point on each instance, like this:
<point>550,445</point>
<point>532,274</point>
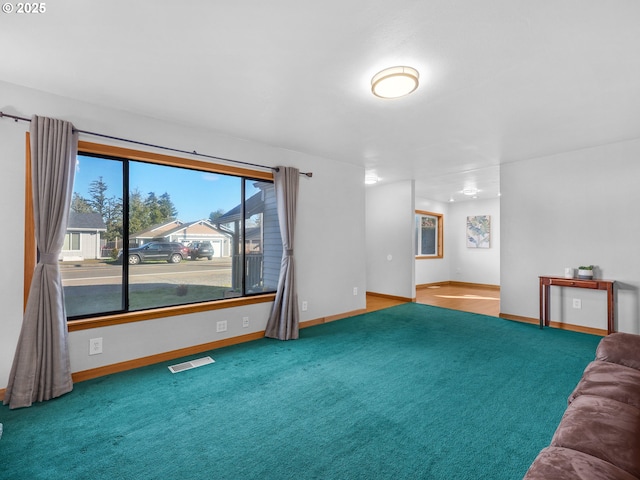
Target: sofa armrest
<point>621,348</point>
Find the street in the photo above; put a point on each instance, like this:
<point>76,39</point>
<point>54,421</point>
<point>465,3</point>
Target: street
<point>202,272</point>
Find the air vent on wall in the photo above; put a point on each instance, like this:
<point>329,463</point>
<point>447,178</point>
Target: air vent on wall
<point>181,367</point>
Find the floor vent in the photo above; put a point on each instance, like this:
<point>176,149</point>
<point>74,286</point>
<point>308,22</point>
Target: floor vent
<point>181,367</point>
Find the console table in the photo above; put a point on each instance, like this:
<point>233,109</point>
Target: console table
<point>594,284</point>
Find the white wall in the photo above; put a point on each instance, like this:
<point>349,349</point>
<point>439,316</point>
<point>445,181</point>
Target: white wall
<point>473,265</point>
<point>566,210</point>
<point>330,236</point>
<point>389,239</point>
<point>462,264</point>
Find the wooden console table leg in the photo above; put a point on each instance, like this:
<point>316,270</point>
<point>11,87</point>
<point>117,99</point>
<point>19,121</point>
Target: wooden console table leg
<point>541,304</point>
<point>544,303</point>
<point>547,309</point>
<point>610,309</point>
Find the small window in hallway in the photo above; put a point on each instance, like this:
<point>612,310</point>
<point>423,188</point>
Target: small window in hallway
<point>428,235</point>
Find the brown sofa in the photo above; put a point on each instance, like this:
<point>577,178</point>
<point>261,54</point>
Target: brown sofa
<point>599,435</point>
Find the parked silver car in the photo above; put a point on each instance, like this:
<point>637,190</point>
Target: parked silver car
<point>201,249</point>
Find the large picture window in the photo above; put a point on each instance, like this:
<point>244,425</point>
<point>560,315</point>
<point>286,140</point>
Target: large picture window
<point>165,232</point>
<point>428,235</point>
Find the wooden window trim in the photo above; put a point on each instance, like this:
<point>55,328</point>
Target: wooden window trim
<point>169,160</point>
<point>440,253</point>
<point>163,312</point>
<point>30,248</point>
<point>30,251</point>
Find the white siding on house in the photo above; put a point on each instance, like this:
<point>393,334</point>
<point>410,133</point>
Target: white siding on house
<point>272,247</point>
<point>89,248</point>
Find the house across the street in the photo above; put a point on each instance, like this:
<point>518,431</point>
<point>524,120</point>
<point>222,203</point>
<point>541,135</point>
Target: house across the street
<point>185,233</point>
<point>83,238</point>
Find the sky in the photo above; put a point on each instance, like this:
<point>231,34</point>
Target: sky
<point>194,194</point>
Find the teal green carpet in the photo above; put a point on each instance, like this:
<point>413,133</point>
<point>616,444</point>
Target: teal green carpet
<point>410,392</point>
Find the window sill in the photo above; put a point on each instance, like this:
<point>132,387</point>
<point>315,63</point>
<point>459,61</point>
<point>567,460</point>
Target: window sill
<point>121,318</point>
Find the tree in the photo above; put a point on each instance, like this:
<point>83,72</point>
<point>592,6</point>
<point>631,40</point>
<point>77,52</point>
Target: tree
<point>143,213</point>
<point>213,216</point>
<point>159,209</point>
<point>138,219</point>
<point>153,213</point>
<point>166,206</point>
<point>98,200</point>
<point>113,218</point>
<point>109,208</point>
<point>79,204</point>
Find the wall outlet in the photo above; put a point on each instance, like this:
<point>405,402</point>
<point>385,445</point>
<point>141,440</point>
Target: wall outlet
<point>355,290</point>
<point>245,322</point>
<point>305,305</point>
<point>95,346</point>
<point>577,303</point>
<point>221,326</point>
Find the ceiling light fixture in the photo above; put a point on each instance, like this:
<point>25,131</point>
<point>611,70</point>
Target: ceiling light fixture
<point>470,191</point>
<point>394,82</point>
<point>371,179</point>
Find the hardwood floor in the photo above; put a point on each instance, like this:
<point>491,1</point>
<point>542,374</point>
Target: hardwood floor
<point>476,299</point>
<point>484,300</point>
<point>377,302</point>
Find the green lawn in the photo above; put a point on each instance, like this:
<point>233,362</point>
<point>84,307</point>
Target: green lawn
<point>86,300</point>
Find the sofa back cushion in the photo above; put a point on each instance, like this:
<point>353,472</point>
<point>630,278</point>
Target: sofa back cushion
<point>610,380</point>
<point>604,428</point>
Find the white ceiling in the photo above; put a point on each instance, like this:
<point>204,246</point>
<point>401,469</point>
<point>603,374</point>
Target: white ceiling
<point>501,80</point>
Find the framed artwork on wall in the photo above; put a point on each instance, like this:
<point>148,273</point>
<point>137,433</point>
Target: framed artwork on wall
<point>479,231</point>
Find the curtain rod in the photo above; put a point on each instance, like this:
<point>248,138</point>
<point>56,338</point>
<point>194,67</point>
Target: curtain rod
<point>102,135</point>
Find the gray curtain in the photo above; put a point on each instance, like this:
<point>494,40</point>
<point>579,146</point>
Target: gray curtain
<point>284,318</point>
<point>41,369</point>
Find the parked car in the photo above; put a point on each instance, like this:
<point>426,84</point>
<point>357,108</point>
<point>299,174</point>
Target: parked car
<point>172,252</point>
<point>201,249</point>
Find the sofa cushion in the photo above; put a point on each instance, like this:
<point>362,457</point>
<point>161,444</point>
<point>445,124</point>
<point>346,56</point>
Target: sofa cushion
<point>604,428</point>
<point>622,348</point>
<point>610,380</point>
<point>566,464</point>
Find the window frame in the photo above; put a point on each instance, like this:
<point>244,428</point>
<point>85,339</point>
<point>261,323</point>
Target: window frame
<point>30,248</point>
<point>439,236</point>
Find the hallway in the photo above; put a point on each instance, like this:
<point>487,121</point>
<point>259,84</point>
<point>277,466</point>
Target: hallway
<point>475,299</point>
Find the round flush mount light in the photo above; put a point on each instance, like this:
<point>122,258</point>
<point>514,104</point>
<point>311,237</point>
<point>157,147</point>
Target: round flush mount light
<point>371,179</point>
<point>394,82</point>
